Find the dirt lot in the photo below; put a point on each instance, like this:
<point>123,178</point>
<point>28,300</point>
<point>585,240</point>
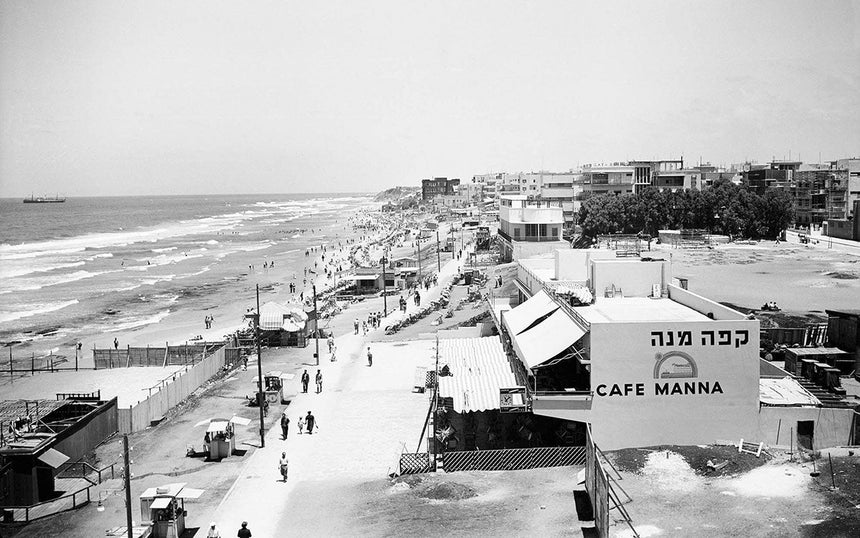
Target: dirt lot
<point>537,502</point>
<point>675,494</point>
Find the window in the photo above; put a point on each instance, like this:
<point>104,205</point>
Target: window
<point>543,230</point>
<point>517,232</point>
<point>555,231</point>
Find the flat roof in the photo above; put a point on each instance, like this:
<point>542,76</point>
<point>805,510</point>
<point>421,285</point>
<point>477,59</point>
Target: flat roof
<point>816,351</point>
<point>638,309</point>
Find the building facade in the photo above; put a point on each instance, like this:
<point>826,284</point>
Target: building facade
<point>528,226</point>
<point>430,188</point>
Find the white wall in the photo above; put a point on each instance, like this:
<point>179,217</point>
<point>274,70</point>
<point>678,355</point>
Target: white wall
<point>572,263</point>
<point>633,277</point>
<point>701,304</point>
<point>527,249</point>
<point>625,355</point>
<point>832,426</point>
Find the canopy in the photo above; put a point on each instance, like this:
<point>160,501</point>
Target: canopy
<point>53,457</point>
<point>547,339</point>
<point>479,369</point>
<point>365,277</point>
<point>538,305</point>
<point>786,391</point>
<point>160,503</point>
<point>272,316</point>
<point>217,426</point>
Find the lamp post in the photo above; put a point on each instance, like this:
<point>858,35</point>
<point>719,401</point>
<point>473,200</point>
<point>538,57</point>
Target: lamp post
<point>384,285</point>
<point>260,395</point>
<point>316,327</point>
<point>438,259</point>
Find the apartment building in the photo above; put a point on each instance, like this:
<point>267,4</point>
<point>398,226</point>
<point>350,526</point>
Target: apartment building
<point>529,226</point>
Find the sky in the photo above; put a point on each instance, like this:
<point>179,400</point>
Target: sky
<point>101,97</point>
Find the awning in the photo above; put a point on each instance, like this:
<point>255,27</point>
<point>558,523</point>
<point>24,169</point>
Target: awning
<point>272,316</point>
<point>190,493</point>
<point>54,458</point>
<point>160,503</point>
<point>479,368</point>
<point>365,277</point>
<point>217,426</point>
<point>537,306</point>
<point>547,339</point>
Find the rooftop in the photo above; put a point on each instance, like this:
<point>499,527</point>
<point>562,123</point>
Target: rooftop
<point>623,309</point>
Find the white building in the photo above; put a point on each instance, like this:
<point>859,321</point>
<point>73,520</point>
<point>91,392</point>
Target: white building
<point>615,344</point>
<point>528,227</point>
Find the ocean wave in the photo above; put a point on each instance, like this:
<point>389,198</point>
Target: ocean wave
<point>135,322</point>
<point>10,271</point>
<point>34,310</point>
<point>160,250</point>
<point>37,283</point>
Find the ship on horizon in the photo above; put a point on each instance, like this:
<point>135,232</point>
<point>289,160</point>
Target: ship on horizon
<point>44,200</point>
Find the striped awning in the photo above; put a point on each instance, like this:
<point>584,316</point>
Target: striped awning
<point>547,339</point>
<point>479,369</point>
<point>537,306</point>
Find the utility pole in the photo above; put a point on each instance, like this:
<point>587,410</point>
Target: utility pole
<point>316,327</point>
<point>419,255</point>
<point>384,285</point>
<point>127,474</point>
<point>438,259</point>
<point>260,395</point>
<point>451,231</point>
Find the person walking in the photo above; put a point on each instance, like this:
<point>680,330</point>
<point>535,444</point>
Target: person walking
<point>311,423</point>
<point>301,425</point>
<point>319,381</point>
<point>116,344</point>
<point>369,357</point>
<point>244,532</point>
<point>355,325</point>
<point>213,531</point>
<point>330,343</point>
<point>306,378</point>
<point>284,466</point>
<point>285,425</point>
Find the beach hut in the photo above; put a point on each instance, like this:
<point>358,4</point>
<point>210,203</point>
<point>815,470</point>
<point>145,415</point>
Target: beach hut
<point>164,508</point>
<point>284,325</point>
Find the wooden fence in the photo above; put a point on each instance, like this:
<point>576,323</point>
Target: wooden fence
<point>510,459</point>
<point>184,354</point>
<point>415,463</point>
<point>175,389</point>
<point>597,486</point>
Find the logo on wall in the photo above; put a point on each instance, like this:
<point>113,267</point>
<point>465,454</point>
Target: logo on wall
<point>675,365</point>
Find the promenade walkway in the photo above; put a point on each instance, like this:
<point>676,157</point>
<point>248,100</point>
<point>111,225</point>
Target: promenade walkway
<point>367,416</point>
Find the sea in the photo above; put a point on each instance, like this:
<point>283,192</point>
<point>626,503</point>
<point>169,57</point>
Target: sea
<point>103,265</point>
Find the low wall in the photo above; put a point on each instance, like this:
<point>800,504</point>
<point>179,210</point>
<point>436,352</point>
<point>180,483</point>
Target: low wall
<point>184,354</point>
<point>141,415</point>
<point>82,437</point>
<point>833,426</point>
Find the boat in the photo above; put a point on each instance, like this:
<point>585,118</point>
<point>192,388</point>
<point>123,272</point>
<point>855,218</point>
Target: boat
<point>43,200</point>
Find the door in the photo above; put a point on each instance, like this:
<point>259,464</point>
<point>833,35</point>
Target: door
<point>805,433</point>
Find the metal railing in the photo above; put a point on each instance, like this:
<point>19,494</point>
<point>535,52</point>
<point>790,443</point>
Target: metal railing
<point>87,469</point>
<point>26,514</point>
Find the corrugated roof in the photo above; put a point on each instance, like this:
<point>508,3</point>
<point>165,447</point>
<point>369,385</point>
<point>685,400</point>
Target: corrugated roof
<point>479,369</point>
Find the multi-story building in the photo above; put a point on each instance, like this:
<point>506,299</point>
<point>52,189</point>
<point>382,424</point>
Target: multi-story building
<point>777,174</point>
<point>665,175</point>
<point>431,188</point>
<point>614,178</point>
<point>561,187</point>
<point>529,226</point>
<point>819,195</point>
<point>852,166</point>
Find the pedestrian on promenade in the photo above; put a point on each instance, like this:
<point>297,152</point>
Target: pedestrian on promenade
<point>333,353</point>
<point>306,378</point>
<point>319,381</point>
<point>355,325</point>
<point>330,343</point>
<point>213,531</point>
<point>116,344</point>
<point>284,466</point>
<point>311,423</point>
<point>285,425</point>
<point>369,357</point>
<point>301,425</point>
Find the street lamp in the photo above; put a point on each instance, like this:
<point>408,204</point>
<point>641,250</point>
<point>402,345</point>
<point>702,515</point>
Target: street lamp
<point>384,285</point>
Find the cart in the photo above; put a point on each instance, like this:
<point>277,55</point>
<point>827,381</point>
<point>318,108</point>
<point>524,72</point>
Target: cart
<point>164,508</point>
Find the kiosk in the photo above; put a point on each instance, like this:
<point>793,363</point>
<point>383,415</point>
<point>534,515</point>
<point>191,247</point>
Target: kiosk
<point>273,387</point>
<point>164,508</point>
<point>220,436</point>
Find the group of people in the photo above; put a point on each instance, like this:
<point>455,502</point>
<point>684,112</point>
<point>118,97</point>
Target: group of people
<point>306,379</point>
<point>214,532</point>
<point>208,321</point>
